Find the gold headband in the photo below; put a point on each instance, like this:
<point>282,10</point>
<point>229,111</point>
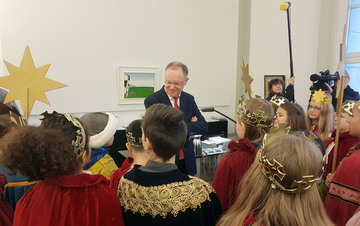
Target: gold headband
<point>10,117</point>
<point>132,140</point>
<point>348,107</point>
<point>272,170</point>
<point>278,100</point>
<point>320,97</point>
<point>79,143</point>
<point>252,118</point>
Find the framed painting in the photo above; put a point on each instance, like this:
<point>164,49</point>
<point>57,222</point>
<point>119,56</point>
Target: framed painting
<point>137,83</point>
<point>267,79</point>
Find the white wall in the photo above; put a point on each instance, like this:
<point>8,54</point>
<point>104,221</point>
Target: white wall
<point>269,48</point>
<point>316,32</point>
<point>85,41</point>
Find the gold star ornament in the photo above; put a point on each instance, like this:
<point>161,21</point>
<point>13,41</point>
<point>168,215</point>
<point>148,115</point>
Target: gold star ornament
<point>27,83</point>
<point>320,97</point>
<point>246,78</point>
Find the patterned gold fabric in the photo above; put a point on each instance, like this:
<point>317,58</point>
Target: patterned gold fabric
<point>161,200</point>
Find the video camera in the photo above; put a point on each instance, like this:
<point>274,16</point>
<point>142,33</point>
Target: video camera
<point>319,80</point>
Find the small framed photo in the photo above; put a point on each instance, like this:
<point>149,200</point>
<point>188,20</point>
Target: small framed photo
<point>267,79</point>
<point>137,83</point>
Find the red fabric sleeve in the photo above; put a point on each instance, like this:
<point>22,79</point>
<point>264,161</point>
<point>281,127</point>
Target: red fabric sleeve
<point>228,175</point>
<point>115,178</point>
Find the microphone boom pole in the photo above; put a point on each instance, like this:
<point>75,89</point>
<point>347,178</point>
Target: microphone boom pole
<point>287,5</point>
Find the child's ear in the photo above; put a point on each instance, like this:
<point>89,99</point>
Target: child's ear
<point>85,157</point>
<point>243,127</point>
<point>147,144</point>
<point>129,148</point>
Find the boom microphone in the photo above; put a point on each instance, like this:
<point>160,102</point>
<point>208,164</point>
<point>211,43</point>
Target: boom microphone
<point>314,77</point>
<point>284,6</point>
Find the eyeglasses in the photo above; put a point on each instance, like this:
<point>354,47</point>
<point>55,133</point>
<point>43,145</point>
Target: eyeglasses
<point>176,84</point>
<point>314,108</point>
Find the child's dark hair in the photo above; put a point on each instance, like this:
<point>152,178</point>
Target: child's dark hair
<point>134,134</point>
<point>38,152</point>
<point>59,121</point>
<point>275,81</point>
<point>165,128</point>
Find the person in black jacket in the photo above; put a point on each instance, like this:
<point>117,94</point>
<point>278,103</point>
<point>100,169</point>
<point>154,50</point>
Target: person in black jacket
<point>276,87</point>
<point>172,94</point>
<point>158,193</point>
<point>349,93</point>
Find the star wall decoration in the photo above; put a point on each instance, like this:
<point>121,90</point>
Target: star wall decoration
<point>246,78</point>
<point>27,83</point>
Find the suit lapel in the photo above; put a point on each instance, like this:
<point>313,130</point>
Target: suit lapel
<point>164,97</point>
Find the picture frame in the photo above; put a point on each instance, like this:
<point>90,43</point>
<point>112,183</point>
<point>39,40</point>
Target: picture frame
<point>136,83</point>
<point>267,79</point>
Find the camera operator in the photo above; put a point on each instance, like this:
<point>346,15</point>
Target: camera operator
<point>276,87</point>
<point>349,93</point>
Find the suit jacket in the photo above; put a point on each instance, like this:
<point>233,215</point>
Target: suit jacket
<point>349,94</point>
<point>190,109</point>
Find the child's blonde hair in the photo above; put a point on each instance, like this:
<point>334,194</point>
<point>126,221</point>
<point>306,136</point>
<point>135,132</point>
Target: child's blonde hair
<point>271,206</point>
<point>326,120</point>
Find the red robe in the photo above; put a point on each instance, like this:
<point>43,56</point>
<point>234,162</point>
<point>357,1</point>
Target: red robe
<point>231,170</point>
<point>115,178</point>
<point>6,211</point>
<point>81,199</point>
<point>346,141</point>
<point>250,219</point>
<point>343,198</point>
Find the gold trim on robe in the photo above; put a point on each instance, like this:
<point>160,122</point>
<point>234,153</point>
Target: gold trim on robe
<point>163,199</point>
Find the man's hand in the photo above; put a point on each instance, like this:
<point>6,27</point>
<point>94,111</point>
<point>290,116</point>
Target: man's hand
<point>292,80</point>
<point>330,90</point>
<point>194,119</point>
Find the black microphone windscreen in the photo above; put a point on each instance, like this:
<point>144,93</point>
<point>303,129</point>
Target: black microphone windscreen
<point>207,109</point>
<point>314,77</point>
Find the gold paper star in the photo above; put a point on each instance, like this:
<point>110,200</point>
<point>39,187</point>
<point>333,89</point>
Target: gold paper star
<point>27,83</point>
<point>320,97</point>
<point>246,78</point>
<point>319,94</point>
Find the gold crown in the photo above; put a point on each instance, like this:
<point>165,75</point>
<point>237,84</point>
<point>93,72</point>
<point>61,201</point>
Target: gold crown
<point>272,169</point>
<point>320,97</point>
<point>10,117</point>
<point>132,140</point>
<point>79,143</point>
<point>252,118</point>
<point>278,100</point>
<point>348,107</point>
<point>283,128</point>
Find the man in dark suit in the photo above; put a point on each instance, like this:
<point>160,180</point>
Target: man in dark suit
<point>349,93</point>
<point>176,77</point>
